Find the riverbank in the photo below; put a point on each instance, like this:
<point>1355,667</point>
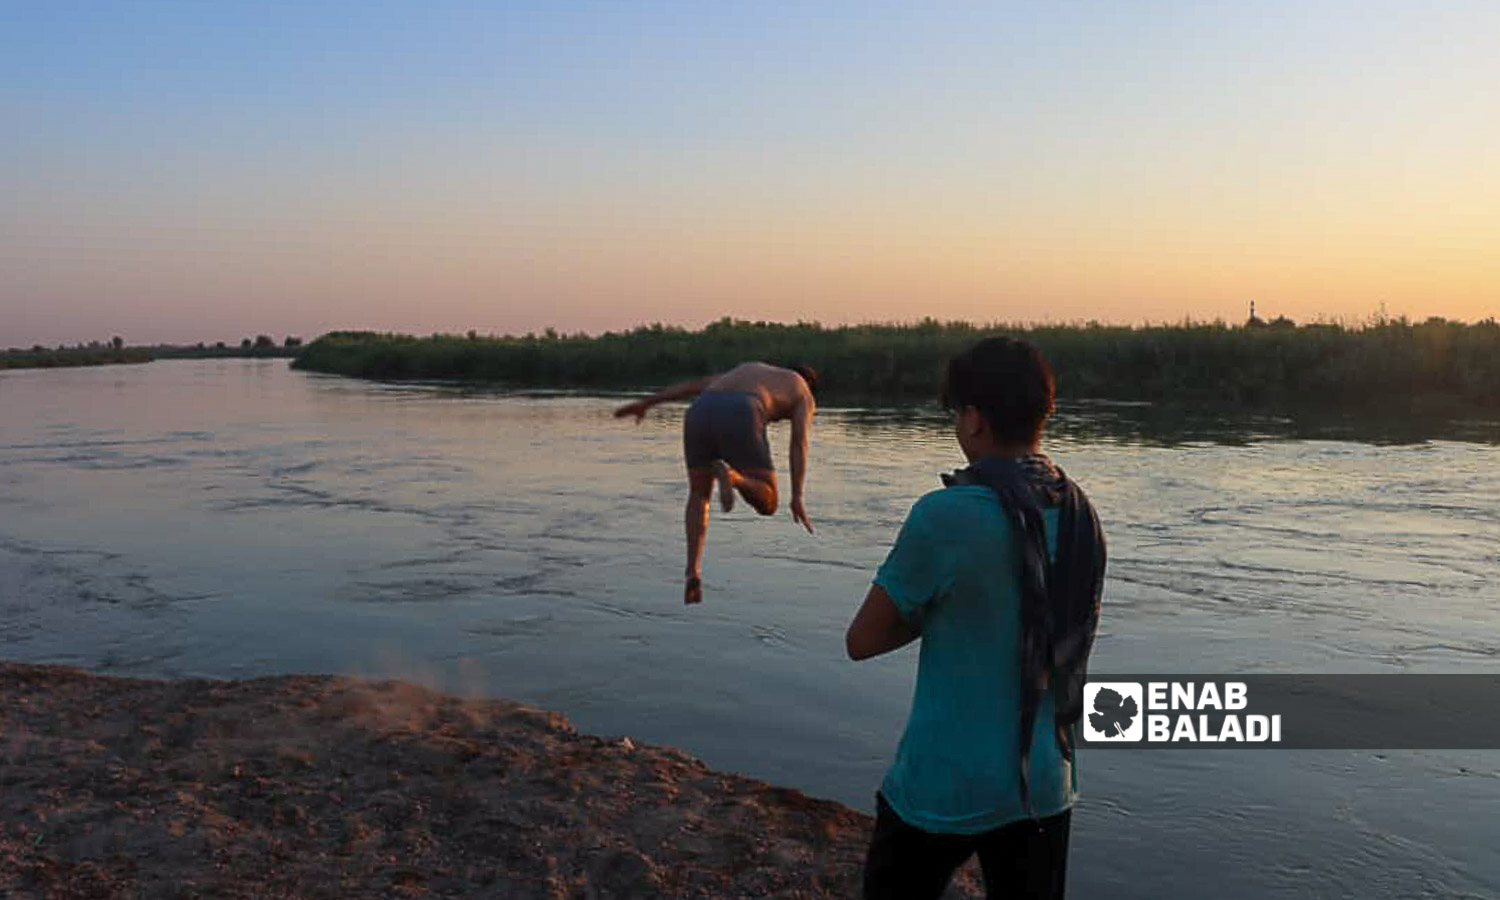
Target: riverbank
<point>322,786</point>
<point>1435,364</point>
<point>41,358</point>
<point>77,357</point>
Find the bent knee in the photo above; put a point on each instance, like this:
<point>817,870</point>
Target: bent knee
<point>766,506</point>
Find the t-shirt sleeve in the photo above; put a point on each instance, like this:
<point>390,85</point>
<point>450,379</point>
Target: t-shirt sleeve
<point>918,568</point>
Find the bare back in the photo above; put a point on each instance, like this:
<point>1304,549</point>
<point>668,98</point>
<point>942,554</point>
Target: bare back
<point>781,391</point>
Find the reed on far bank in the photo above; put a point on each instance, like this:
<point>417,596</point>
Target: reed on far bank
<point>1436,360</point>
<point>70,357</point>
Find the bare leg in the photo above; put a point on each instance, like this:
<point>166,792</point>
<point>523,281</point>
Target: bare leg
<point>757,486</point>
<point>695,520</point>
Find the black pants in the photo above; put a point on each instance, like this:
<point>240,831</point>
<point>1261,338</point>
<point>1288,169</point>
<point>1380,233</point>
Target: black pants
<point>1024,859</point>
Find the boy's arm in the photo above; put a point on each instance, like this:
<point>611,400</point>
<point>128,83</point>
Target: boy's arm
<point>916,572</point>
<point>801,424</point>
<point>679,391</point>
<point>878,627</point>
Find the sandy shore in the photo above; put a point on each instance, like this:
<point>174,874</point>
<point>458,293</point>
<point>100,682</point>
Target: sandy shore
<point>319,786</point>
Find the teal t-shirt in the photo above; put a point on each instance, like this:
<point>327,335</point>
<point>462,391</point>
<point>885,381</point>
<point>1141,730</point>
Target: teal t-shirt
<point>955,568</point>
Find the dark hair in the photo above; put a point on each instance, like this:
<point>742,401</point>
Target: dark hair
<point>1008,381</point>
<point>809,375</point>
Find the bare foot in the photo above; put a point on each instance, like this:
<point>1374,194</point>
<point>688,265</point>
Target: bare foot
<point>693,591</point>
<point>725,477</point>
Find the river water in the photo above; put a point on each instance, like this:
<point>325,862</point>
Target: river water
<point>234,518</point>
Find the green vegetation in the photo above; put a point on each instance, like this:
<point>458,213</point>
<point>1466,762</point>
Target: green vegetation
<point>246,348</point>
<point>1255,364</point>
<point>43,358</point>
<point>114,351</point>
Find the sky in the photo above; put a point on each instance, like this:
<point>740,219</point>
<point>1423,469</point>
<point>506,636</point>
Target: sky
<point>185,171</point>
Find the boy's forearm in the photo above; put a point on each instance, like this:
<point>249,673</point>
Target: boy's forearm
<point>799,466</point>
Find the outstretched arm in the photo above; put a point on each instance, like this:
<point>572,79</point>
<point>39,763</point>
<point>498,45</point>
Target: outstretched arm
<point>801,425</point>
<point>680,391</point>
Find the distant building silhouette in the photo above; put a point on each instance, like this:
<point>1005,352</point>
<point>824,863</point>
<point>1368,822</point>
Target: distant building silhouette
<point>1253,321</point>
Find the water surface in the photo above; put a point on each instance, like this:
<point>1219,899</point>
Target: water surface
<point>232,518</point>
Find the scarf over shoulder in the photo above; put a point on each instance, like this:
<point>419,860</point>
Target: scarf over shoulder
<point>1059,598</point>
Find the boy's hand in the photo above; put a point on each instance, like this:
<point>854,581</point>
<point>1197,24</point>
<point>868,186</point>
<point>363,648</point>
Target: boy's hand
<point>637,409</point>
<point>799,514</point>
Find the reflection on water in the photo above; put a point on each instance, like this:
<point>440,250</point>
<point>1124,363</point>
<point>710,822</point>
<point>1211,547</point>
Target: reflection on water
<point>1108,421</point>
<point>234,518</point>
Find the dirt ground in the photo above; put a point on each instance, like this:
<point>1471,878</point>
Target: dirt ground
<point>320,786</point>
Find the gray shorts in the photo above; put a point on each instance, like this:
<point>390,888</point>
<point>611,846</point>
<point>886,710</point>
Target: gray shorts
<point>727,425</point>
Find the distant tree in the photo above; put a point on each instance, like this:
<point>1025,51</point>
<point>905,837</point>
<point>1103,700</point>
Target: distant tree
<point>292,341</point>
<point>219,345</point>
<point>200,345</point>
<point>264,342</point>
<point>1283,322</point>
<point>473,335</point>
<point>38,348</point>
<point>118,341</point>
<point>245,344</point>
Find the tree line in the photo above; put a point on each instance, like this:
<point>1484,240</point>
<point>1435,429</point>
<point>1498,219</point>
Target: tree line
<point>116,351</point>
<point>1254,364</point>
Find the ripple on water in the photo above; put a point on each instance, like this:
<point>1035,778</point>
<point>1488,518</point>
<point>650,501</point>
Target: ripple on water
<point>431,590</point>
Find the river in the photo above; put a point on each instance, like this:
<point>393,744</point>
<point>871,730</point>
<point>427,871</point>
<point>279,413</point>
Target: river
<point>235,518</point>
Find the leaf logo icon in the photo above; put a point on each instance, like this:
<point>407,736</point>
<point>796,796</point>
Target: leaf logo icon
<point>1112,713</point>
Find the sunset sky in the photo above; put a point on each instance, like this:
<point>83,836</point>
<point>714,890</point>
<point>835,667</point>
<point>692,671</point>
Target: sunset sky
<point>184,171</point>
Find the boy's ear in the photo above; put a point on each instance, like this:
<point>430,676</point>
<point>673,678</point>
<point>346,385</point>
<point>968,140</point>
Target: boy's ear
<point>971,421</point>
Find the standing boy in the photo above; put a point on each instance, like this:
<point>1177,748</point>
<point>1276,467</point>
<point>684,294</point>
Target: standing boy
<point>1000,574</point>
